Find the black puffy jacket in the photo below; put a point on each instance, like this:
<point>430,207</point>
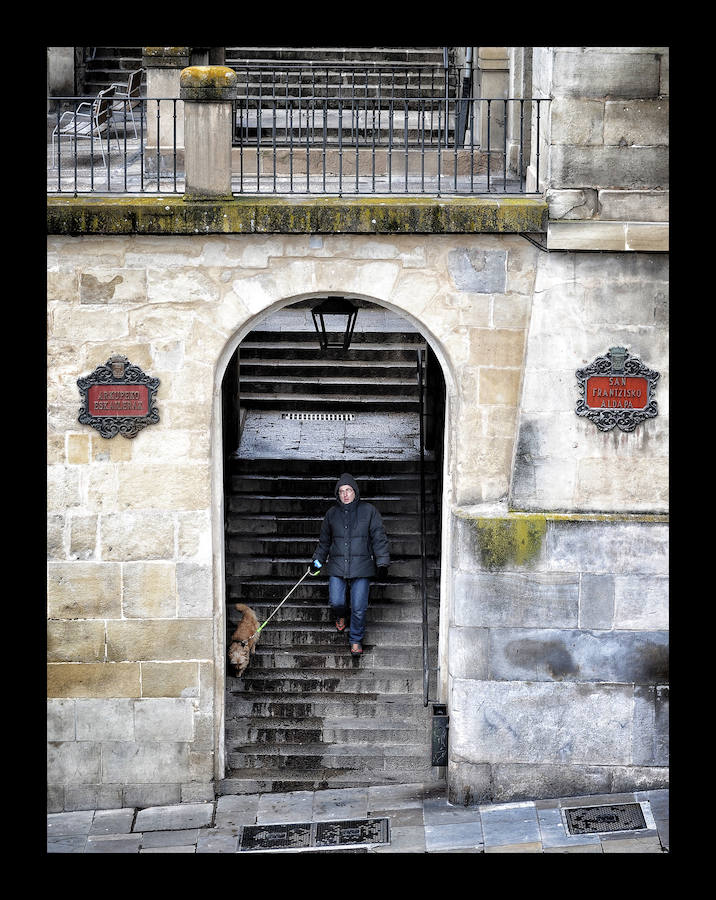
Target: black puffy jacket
<point>352,542</point>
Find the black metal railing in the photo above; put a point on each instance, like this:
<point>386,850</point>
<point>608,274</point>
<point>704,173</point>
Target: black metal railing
<point>114,145</point>
<point>340,142</point>
<point>421,362</point>
<point>359,143</point>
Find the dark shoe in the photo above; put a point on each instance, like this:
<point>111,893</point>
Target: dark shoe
<point>340,624</point>
<point>356,648</point>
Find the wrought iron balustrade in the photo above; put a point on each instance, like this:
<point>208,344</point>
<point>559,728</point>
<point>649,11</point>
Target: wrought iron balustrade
<point>131,146</point>
<point>347,139</point>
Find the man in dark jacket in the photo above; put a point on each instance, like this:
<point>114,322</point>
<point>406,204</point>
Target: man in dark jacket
<point>352,548</point>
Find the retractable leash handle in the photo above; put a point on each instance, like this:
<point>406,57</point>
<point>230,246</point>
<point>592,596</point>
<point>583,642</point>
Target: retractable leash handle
<point>261,627</point>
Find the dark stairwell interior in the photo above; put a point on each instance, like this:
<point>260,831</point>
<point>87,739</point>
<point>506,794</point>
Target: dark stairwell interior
<point>306,714</point>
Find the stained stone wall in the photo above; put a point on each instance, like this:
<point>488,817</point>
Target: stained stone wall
<point>534,645</point>
<point>135,609</point>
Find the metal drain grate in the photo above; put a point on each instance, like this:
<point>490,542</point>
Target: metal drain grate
<point>597,819</point>
<point>308,836</point>
<point>319,417</point>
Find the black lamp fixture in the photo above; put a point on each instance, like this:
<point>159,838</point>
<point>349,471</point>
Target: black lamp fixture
<point>335,306</point>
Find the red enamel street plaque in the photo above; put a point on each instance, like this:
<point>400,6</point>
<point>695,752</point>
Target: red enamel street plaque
<point>616,392</point>
<point>118,400</point>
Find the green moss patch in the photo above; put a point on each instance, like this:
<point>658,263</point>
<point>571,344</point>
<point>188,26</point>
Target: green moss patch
<point>502,542</point>
<point>177,214</point>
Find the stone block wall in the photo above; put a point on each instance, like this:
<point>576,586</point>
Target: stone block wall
<point>552,618</point>
<point>135,569</point>
<point>585,303</point>
<point>558,656</point>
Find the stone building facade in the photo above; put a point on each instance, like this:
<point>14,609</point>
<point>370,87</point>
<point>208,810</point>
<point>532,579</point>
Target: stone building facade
<point>554,617</point>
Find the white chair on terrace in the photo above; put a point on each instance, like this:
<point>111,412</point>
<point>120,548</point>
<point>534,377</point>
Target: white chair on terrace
<point>91,120</point>
<point>126,96</point>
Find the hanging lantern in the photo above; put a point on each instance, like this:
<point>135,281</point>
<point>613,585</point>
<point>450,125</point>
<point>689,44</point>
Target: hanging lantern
<point>339,307</point>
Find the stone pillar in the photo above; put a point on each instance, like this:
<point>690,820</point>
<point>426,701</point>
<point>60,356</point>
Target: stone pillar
<point>163,66</point>
<point>60,73</point>
<point>208,93</point>
<point>492,82</point>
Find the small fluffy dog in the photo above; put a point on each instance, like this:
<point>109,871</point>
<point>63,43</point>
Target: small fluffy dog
<point>243,640</point>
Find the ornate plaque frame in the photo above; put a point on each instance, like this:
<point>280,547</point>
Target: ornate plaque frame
<point>620,369</point>
<point>130,394</point>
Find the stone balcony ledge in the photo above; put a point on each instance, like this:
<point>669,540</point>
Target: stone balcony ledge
<point>174,214</point>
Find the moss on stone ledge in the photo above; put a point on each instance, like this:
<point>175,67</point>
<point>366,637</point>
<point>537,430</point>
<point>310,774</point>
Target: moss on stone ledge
<point>503,541</point>
<point>326,215</point>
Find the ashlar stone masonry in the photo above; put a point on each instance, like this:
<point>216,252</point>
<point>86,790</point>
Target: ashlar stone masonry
<point>135,550</point>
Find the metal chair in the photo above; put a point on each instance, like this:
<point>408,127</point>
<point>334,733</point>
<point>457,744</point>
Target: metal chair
<point>91,120</point>
<point>127,96</point>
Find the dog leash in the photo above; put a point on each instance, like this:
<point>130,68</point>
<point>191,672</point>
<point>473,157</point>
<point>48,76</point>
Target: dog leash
<point>261,627</point>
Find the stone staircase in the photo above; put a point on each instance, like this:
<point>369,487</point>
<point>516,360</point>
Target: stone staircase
<point>411,82</point>
<point>307,715</point>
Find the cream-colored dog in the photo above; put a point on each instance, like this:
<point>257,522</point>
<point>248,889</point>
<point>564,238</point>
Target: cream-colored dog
<point>243,640</point>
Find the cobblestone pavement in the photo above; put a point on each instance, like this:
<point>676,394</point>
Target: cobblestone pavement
<point>420,820</point>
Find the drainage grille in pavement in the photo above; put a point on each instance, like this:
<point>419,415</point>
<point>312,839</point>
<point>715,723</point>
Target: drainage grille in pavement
<point>596,819</point>
<point>320,417</point>
<point>306,836</point>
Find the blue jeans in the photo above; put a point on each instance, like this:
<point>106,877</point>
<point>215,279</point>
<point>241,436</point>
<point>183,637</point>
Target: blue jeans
<point>360,588</point>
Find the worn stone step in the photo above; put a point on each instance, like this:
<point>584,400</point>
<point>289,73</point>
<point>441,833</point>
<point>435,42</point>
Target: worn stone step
<point>317,613</point>
<point>257,504</point>
<point>320,386</point>
<point>382,340</point>
<point>324,730</point>
<point>323,486</point>
<point>242,589</point>
<point>335,656</point>
<point>290,681</point>
<point>360,466</point>
<point>305,635</point>
<point>249,781</point>
<point>408,757</point>
<point>295,568</point>
<point>318,368</point>
<point>291,525</point>
<point>387,707</point>
<point>298,350</point>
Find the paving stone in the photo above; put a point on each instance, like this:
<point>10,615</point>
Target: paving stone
<point>622,844</point>
<point>340,804</point>
<point>152,840</point>
<point>531,847</point>
<point>184,848</point>
<point>453,837</point>
<point>67,823</point>
<point>236,809</point>
<point>578,848</point>
<point>554,833</point>
<point>293,806</point>
<point>394,796</point>
<point>174,818</point>
<point>124,843</point>
<point>411,816</point>
<point>71,843</point>
<point>404,839</point>
<point>510,824</point>
<point>216,841</point>
<point>112,821</point>
<point>438,811</point>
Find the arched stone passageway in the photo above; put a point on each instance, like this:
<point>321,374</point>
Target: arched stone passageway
<point>305,714</point>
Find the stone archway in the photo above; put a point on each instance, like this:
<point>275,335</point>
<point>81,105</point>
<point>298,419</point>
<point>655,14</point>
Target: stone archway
<point>221,626</point>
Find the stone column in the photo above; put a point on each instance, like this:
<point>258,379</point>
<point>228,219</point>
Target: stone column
<point>208,93</point>
<point>163,66</point>
<point>60,73</point>
<point>492,82</point>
